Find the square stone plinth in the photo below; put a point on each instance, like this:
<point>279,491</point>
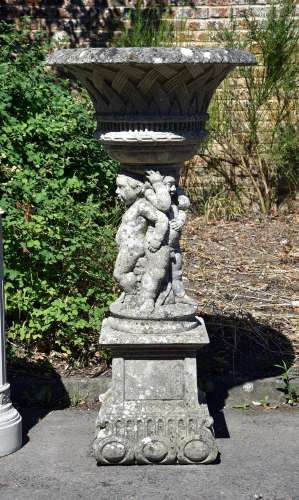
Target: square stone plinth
<point>154,413</point>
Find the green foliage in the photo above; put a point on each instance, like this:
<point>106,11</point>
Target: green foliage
<point>243,406</point>
<point>57,188</point>
<point>148,28</point>
<point>285,153</point>
<point>210,196</point>
<point>290,390</point>
<point>213,199</point>
<point>222,204</point>
<point>254,128</point>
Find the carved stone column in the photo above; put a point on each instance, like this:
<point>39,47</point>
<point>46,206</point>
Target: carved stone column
<point>151,108</point>
<point>10,420</point>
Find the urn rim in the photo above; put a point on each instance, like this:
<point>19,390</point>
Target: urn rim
<point>150,56</point>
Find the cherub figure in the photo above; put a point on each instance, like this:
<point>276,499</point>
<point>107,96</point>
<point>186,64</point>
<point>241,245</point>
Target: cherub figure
<point>164,195</point>
<point>177,213</point>
<point>142,235</point>
<point>157,192</point>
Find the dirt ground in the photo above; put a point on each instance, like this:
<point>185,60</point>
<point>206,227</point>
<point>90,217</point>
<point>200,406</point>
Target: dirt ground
<point>245,276</point>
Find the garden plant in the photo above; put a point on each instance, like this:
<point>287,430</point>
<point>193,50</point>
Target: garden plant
<point>254,168</point>
<point>57,191</point>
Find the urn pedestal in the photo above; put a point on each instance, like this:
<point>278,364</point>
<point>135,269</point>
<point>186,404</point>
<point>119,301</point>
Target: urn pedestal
<point>151,108</point>
<point>154,412</point>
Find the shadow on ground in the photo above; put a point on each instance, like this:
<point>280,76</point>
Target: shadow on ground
<point>36,389</point>
<point>241,350</point>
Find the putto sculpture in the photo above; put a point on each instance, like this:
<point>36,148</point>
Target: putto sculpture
<point>143,254</point>
<point>151,108</point>
<point>149,263</point>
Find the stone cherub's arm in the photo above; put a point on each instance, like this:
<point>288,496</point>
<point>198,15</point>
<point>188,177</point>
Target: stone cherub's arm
<point>160,222</point>
<point>183,199</point>
<point>183,205</point>
<point>157,193</point>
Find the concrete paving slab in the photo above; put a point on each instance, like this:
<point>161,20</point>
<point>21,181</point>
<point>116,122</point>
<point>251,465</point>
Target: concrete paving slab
<point>259,460</point>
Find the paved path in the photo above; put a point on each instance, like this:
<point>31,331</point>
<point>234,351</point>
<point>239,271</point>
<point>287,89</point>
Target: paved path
<point>260,460</point>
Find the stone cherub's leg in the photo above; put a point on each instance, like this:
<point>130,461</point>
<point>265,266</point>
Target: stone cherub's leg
<point>177,278</point>
<point>125,265</point>
<point>157,266</point>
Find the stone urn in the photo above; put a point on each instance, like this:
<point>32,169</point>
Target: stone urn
<point>151,109</point>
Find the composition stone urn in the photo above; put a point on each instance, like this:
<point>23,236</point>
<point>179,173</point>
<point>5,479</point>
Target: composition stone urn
<point>151,109</point>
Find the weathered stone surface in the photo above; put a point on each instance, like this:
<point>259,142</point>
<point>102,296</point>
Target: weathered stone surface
<point>158,335</point>
<point>158,96</point>
<point>154,413</point>
<point>150,55</point>
<point>157,379</point>
<point>154,408</point>
<point>151,108</point>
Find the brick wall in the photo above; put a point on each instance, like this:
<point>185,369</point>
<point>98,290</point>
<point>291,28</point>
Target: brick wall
<point>96,22</point>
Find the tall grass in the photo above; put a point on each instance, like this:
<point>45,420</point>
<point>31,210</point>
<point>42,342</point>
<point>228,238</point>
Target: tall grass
<point>149,28</point>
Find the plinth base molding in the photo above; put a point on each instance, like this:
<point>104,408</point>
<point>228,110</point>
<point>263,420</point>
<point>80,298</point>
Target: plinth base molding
<point>156,440</point>
<point>10,424</point>
<point>155,412</point>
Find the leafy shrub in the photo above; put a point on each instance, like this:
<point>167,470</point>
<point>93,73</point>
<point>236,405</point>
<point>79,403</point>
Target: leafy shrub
<point>57,188</point>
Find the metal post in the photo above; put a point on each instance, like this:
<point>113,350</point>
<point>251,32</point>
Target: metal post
<point>10,420</point>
